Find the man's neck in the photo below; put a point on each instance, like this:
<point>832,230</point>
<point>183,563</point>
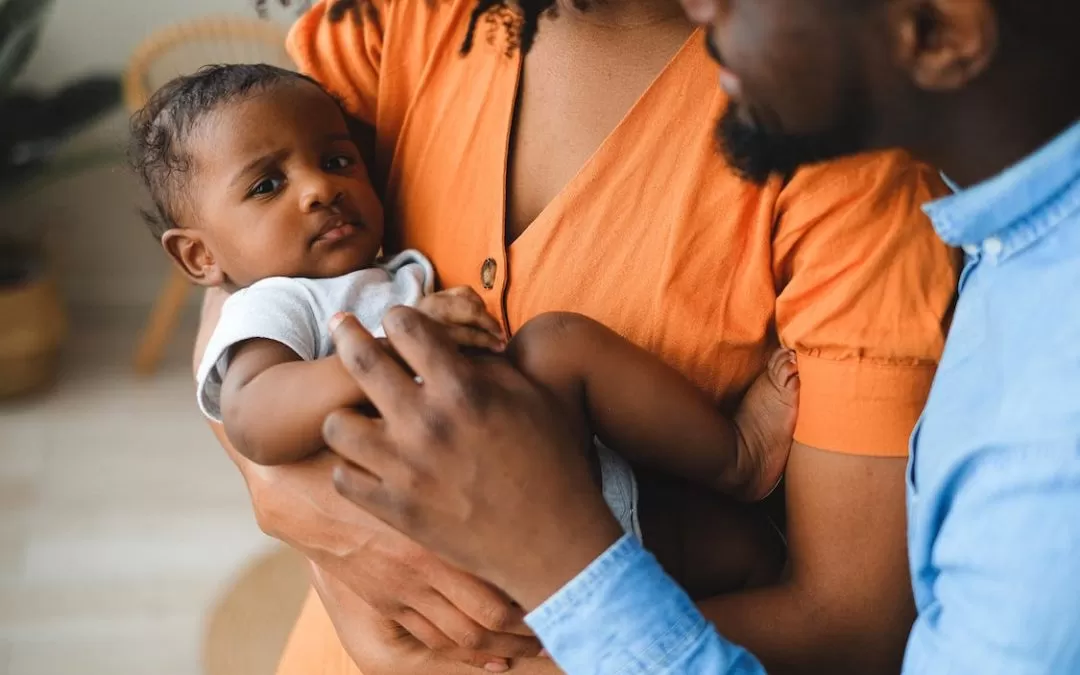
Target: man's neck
<point>621,13</point>
<point>977,137</point>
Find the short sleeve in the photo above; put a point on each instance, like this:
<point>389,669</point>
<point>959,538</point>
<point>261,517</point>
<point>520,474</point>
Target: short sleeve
<point>277,309</point>
<point>866,290</point>
<point>343,55</point>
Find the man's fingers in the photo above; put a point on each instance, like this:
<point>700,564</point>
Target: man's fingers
<point>359,439</point>
<point>378,373</point>
<point>360,487</point>
<point>437,641</point>
<point>425,346</point>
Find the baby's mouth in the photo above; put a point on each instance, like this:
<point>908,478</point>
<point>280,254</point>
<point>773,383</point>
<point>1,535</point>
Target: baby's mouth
<point>336,229</point>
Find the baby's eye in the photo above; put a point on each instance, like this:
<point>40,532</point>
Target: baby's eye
<point>339,162</point>
<point>266,186</point>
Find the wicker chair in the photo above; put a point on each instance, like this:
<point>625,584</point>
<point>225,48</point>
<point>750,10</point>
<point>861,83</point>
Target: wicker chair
<point>179,50</point>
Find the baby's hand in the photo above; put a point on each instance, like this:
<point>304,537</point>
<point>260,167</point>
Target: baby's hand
<point>466,319</point>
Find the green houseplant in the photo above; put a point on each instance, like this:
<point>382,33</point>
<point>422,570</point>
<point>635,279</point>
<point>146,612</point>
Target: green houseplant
<point>34,129</point>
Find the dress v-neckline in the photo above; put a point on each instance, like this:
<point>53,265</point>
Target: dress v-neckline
<point>570,189</point>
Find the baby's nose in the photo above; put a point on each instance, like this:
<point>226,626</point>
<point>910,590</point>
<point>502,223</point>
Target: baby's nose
<point>321,194</point>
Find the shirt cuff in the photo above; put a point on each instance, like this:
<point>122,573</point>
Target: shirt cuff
<point>860,407</point>
<point>623,614</point>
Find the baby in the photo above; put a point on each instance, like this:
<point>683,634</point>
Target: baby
<point>260,189</point>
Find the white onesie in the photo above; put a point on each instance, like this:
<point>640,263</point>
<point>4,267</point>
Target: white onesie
<point>297,313</point>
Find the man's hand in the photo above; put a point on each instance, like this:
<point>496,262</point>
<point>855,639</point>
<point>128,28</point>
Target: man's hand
<point>467,322</point>
<point>409,587</point>
<point>477,462</point>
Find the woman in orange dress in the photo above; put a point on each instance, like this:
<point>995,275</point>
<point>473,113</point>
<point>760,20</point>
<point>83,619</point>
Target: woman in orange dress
<point>579,171</point>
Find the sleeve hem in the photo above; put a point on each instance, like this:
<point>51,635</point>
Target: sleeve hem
<point>860,407</point>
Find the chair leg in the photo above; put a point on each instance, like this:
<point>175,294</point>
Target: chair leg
<point>162,323</point>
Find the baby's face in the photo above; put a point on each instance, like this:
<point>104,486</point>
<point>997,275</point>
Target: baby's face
<point>279,189</point>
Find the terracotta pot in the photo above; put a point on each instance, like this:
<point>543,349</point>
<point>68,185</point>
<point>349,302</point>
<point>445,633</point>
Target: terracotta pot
<point>33,327</point>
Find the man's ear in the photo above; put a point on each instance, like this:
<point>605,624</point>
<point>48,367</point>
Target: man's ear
<point>944,44</point>
<point>189,251</point>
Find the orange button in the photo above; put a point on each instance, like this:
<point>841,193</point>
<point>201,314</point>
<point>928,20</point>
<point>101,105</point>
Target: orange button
<point>487,273</point>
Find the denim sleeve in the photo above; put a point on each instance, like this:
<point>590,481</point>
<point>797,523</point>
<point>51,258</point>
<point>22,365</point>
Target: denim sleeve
<point>623,615</point>
<point>1004,569</point>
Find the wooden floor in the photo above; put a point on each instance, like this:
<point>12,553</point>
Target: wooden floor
<point>121,521</point>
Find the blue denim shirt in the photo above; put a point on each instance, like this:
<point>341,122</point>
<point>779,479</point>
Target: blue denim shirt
<point>993,483</point>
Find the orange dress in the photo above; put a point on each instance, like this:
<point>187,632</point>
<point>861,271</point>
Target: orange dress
<point>655,237</point>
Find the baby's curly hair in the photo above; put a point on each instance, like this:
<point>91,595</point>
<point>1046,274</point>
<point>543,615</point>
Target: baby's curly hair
<point>160,130</point>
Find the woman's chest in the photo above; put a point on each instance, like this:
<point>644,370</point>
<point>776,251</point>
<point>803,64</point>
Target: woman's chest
<point>653,236</point>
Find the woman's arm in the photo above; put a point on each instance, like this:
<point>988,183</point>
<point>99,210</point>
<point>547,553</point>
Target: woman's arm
<point>399,579</point>
<point>273,403</point>
<point>845,604</point>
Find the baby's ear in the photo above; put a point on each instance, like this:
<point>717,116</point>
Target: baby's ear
<point>189,251</point>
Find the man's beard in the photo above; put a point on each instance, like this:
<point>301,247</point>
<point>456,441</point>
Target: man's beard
<point>756,154</point>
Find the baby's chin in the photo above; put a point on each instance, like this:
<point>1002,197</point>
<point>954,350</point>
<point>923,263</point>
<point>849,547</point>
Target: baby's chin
<point>346,257</point>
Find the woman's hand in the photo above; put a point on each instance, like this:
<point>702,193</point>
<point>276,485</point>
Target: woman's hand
<point>444,608</point>
<point>382,647</point>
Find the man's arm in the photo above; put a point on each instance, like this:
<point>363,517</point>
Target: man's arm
<point>1004,559</point>
<point>845,603</point>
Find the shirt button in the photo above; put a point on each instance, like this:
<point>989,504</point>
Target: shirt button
<point>970,249</point>
<point>487,273</point>
<point>993,246</point>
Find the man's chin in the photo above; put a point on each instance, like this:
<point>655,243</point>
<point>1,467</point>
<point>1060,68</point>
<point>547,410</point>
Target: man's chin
<point>756,154</point>
<point>748,149</point>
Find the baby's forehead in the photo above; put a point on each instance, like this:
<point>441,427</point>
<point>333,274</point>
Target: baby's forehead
<point>297,110</point>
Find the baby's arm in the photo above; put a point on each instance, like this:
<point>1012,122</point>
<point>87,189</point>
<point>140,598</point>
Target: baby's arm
<point>273,403</point>
<point>650,413</point>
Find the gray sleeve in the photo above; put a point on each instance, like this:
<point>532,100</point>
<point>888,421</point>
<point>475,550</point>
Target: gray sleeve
<point>277,309</point>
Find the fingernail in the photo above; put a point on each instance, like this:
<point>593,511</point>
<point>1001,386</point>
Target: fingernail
<point>496,667</point>
<point>336,320</point>
<point>544,654</point>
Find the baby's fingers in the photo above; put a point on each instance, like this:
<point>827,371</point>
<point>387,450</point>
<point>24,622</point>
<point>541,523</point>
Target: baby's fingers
<point>461,306</point>
<point>469,336</point>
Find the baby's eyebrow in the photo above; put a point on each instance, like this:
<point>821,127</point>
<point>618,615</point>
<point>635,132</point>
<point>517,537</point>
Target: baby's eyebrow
<point>258,163</point>
<point>336,137</point>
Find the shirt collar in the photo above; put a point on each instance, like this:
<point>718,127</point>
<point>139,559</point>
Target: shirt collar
<point>995,207</point>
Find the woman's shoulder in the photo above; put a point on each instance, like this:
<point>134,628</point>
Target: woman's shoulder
<point>362,50</point>
<point>422,28</point>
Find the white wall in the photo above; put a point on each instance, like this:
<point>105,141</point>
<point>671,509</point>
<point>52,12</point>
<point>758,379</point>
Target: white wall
<point>105,256</point>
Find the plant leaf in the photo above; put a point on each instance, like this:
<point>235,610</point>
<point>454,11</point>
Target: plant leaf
<point>21,22</point>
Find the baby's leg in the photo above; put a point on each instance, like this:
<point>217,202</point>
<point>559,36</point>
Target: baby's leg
<point>551,350</point>
<point>708,543</point>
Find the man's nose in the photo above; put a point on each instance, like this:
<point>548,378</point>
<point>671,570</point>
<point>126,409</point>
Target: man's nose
<point>700,11</point>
